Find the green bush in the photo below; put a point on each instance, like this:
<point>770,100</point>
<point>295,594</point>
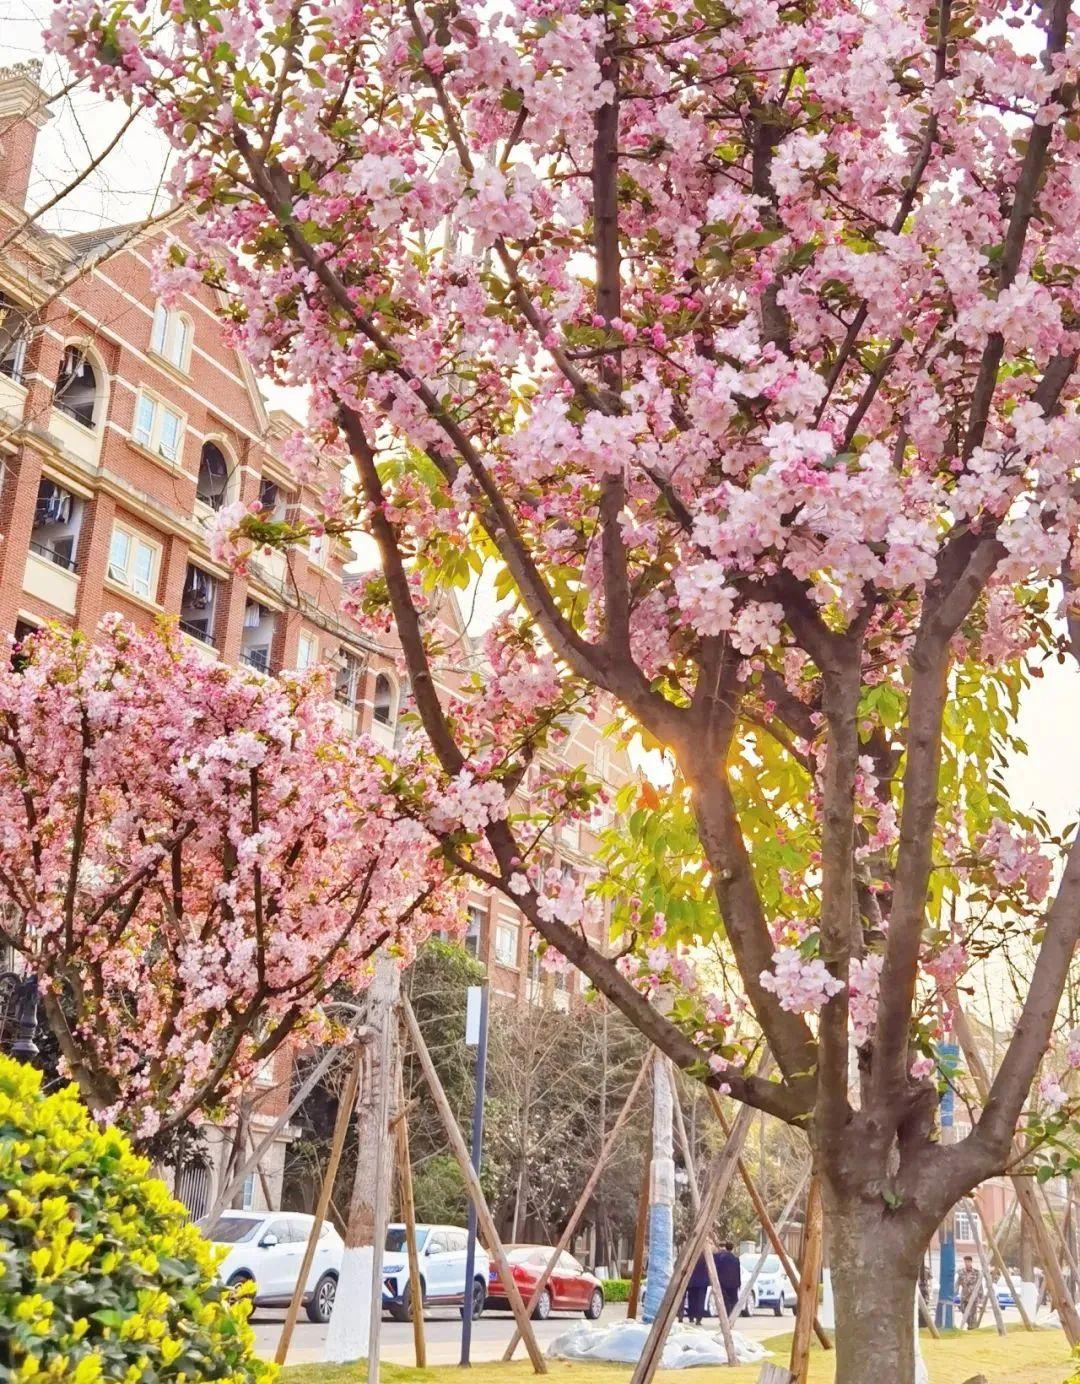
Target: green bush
<point>101,1276</point>
<point>616,1290</point>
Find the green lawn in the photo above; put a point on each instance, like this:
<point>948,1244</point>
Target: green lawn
<point>1023,1357</point>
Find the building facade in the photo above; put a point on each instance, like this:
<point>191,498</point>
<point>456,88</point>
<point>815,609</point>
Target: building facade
<point>125,425</point>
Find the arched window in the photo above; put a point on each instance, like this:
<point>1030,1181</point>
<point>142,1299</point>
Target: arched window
<point>77,388</point>
<point>170,336</point>
<point>384,708</point>
<point>14,335</point>
<point>212,487</point>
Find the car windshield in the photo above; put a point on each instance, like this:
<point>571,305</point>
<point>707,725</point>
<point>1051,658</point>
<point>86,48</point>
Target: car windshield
<point>230,1230</point>
<point>396,1239</point>
<point>771,1264</point>
<point>522,1254</point>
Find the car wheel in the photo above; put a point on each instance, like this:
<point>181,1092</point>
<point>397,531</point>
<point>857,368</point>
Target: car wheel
<point>239,1279</point>
<point>402,1311</point>
<point>479,1300</point>
<point>596,1305</point>
<point>321,1303</point>
<point>777,1308</point>
<point>542,1310</point>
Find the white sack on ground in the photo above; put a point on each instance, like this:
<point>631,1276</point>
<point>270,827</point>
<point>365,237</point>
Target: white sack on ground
<point>624,1341</point>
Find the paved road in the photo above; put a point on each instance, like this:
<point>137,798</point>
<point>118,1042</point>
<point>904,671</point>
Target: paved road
<point>443,1333</point>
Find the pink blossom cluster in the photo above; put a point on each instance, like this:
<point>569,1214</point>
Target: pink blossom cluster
<point>864,979</point>
<point>1017,858</point>
<point>802,984</point>
<point>191,859</point>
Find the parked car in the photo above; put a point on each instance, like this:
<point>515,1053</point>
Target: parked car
<point>772,1287</point>
<point>442,1251</point>
<point>571,1288</point>
<point>267,1248</point>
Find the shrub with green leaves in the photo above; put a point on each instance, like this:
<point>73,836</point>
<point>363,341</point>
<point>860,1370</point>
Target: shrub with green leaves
<point>101,1276</point>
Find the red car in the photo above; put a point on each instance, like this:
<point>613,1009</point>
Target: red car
<point>569,1289</point>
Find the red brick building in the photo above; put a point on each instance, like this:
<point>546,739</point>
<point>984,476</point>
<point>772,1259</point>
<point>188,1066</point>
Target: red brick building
<point>124,426</point>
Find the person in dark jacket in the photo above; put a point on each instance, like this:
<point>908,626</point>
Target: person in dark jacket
<point>729,1273</point>
<point>698,1287</point>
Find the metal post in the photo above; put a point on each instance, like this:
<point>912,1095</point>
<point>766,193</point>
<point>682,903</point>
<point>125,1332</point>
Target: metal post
<point>477,1146</point>
<point>26,1005</point>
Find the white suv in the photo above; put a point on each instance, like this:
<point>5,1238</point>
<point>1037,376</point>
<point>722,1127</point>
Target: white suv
<point>442,1250</point>
<point>772,1287</point>
<point>267,1248</point>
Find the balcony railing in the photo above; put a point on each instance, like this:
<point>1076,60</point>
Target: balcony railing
<point>197,631</point>
<point>51,555</point>
<point>259,659</point>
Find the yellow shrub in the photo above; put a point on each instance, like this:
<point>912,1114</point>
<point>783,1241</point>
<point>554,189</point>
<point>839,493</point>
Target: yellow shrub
<point>102,1279</point>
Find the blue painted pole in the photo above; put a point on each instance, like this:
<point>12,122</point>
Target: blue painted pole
<point>948,1060</point>
<point>477,1145</point>
<point>661,1194</point>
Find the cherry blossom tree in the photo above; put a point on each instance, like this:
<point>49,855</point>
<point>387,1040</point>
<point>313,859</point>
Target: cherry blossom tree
<point>191,857</point>
<point>740,338</point>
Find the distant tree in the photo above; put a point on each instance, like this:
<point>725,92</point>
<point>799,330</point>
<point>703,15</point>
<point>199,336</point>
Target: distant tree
<point>191,858</point>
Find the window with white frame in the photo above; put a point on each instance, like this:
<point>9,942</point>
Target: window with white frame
<point>350,679</point>
<point>507,934</point>
<point>157,427</point>
<point>133,562</point>
<point>964,1227</point>
<point>307,652</point>
<point>170,336</point>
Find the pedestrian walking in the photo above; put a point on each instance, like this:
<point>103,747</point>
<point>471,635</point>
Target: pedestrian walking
<point>699,1287</point>
<point>729,1275</point>
<point>969,1287</point>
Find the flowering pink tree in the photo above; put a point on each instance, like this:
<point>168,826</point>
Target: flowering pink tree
<point>742,338</point>
<point>190,859</point>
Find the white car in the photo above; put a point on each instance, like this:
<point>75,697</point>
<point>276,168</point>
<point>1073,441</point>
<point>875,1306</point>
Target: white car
<point>267,1248</point>
<point>772,1287</point>
<point>442,1250</point>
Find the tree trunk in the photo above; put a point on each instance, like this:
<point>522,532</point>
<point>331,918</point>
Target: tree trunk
<point>350,1322</point>
<point>874,1258</point>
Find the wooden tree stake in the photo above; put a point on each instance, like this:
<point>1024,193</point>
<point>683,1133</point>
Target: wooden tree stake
<point>408,1216</point>
<point>695,1201</point>
<point>346,1102</point>
<point>720,1174</point>
<point>785,1215</point>
<point>1003,1268</point>
<point>581,1203</point>
<point>1025,1192</point>
<point>771,1232</point>
<point>806,1305</point>
<point>984,1264</point>
<point>476,1192</point>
